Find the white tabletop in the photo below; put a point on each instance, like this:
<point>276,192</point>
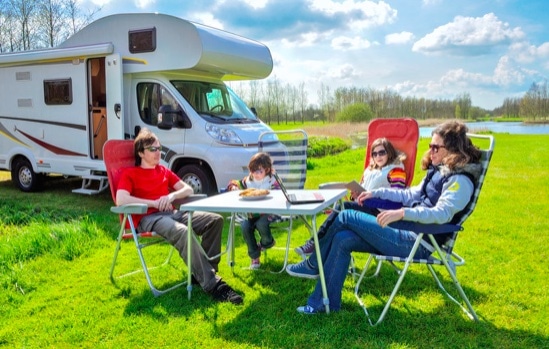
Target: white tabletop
<point>274,203</point>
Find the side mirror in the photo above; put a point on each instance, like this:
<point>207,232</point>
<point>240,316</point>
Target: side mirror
<point>165,117</point>
<point>253,110</point>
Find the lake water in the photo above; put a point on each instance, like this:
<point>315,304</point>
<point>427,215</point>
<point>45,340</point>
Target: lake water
<point>499,127</point>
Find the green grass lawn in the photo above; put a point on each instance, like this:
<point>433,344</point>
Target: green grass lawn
<point>56,248</point>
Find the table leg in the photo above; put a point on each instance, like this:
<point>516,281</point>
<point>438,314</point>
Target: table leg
<point>230,242</point>
<point>325,298</point>
<point>189,255</point>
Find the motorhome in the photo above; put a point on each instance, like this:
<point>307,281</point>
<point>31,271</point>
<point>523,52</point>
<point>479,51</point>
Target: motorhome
<point>119,74</point>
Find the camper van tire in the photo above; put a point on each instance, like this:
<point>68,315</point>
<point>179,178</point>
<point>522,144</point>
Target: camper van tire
<point>24,177</point>
<point>198,178</point>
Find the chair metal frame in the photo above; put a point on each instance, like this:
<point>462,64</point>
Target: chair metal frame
<point>445,254</point>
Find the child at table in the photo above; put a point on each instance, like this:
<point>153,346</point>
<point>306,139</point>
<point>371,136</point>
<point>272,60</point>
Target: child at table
<point>260,177</point>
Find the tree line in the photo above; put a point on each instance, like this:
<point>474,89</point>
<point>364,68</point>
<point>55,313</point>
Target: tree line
<point>35,24</point>
<point>534,105</point>
<point>281,103</point>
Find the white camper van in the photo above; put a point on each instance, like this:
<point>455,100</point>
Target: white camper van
<point>122,73</point>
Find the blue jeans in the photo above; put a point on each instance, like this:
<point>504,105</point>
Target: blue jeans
<point>262,224</point>
<point>355,231</point>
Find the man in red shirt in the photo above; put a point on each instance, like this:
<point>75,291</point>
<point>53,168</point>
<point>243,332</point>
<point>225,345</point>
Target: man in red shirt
<point>156,186</point>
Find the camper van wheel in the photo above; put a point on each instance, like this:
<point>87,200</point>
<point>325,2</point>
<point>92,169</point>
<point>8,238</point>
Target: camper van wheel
<point>196,177</point>
<point>24,176</point>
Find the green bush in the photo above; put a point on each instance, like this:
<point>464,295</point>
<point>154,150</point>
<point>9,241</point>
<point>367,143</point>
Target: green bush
<point>358,112</point>
<point>323,146</point>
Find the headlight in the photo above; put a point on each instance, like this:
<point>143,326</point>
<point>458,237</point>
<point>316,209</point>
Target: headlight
<point>222,134</point>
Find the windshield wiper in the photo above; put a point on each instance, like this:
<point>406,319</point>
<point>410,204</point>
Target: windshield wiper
<point>244,121</point>
<point>213,115</point>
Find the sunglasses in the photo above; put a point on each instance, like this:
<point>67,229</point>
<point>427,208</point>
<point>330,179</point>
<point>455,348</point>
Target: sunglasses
<point>259,170</point>
<point>153,149</point>
<point>380,153</point>
<point>435,147</point>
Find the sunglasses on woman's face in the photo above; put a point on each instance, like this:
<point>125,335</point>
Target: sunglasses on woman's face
<point>153,149</point>
<point>435,147</point>
<point>380,153</point>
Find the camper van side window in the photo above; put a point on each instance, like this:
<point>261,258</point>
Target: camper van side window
<point>58,92</point>
<point>143,40</point>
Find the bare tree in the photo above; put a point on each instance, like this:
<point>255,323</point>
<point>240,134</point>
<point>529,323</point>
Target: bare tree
<point>22,11</point>
<point>302,99</point>
<point>51,17</point>
<point>77,19</point>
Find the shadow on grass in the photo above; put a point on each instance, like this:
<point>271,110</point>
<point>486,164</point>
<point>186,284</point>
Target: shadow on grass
<point>406,325</point>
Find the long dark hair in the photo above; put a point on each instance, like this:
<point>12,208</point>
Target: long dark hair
<point>461,150</point>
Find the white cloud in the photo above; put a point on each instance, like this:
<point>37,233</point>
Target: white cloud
<point>524,52</point>
<point>256,4</point>
<point>469,36</point>
<point>206,18</point>
<point>143,4</point>
<point>305,40</point>
<point>345,43</point>
<point>344,72</point>
<point>505,74</point>
<point>372,13</point>
<point>399,38</point>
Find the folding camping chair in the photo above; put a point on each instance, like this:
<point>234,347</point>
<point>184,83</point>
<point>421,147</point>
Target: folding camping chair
<point>444,255</point>
<point>288,152</point>
<point>403,133</point>
<point>119,154</point>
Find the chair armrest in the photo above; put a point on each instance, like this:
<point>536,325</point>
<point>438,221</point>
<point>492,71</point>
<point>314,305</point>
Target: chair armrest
<point>130,209</point>
<point>332,185</point>
<point>432,228</point>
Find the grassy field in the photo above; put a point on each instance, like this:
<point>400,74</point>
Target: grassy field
<point>56,248</point>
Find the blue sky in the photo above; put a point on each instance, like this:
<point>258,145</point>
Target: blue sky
<point>491,49</point>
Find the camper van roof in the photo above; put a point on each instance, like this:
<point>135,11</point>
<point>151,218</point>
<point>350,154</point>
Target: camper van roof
<point>179,45</point>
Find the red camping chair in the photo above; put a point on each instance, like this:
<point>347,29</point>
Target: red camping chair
<point>403,134</point>
<point>118,155</point>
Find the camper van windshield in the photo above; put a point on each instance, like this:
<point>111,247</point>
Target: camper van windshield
<point>215,102</point>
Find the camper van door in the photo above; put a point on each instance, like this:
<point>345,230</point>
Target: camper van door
<point>115,121</point>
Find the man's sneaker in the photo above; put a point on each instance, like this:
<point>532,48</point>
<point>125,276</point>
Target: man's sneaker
<point>263,248</point>
<point>224,293</point>
<point>307,309</point>
<point>306,250</point>
<point>255,264</point>
<point>302,270</point>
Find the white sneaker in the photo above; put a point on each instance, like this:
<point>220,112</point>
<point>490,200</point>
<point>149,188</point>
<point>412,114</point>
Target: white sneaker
<point>256,264</point>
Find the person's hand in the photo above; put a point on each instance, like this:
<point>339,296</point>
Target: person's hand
<point>164,203</point>
<point>365,195</point>
<point>387,217</point>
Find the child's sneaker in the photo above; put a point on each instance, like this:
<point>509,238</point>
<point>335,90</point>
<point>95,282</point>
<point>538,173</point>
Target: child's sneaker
<point>255,264</point>
<point>306,250</point>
